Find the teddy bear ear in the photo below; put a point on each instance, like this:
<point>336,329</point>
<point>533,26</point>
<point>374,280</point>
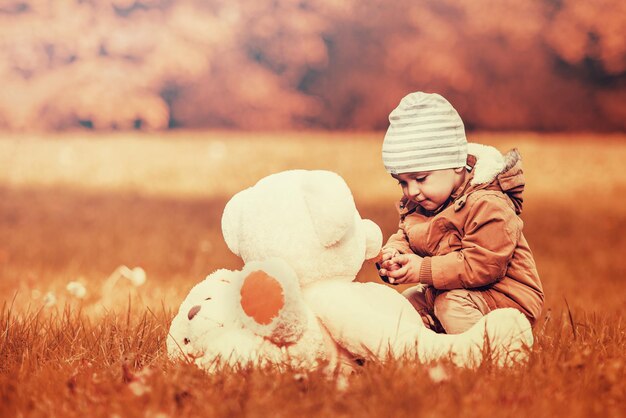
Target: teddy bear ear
<point>231,219</point>
<point>330,205</point>
<point>374,238</point>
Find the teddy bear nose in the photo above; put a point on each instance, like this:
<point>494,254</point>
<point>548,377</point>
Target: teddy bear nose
<point>193,312</point>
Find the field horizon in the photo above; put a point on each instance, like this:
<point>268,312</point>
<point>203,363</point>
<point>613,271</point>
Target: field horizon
<point>75,208</point>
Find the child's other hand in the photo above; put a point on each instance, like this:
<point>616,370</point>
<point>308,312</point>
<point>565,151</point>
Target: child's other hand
<point>388,254</point>
<point>387,266</point>
<point>385,263</point>
<point>409,271</point>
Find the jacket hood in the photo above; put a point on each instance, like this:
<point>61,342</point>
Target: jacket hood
<point>494,171</point>
<point>490,170</point>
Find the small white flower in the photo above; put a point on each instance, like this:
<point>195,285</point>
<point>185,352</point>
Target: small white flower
<point>125,272</point>
<point>76,289</point>
<point>139,388</point>
<point>49,300</point>
<point>138,381</point>
<point>300,377</point>
<point>438,374</point>
<point>138,276</point>
<point>342,384</point>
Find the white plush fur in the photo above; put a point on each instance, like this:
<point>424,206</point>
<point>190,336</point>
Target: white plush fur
<point>303,228</point>
<point>489,162</point>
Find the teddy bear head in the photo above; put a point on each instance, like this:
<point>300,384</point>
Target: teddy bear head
<point>306,218</point>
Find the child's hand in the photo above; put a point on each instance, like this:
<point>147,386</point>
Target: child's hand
<point>388,253</point>
<point>386,266</point>
<point>385,262</point>
<point>409,271</point>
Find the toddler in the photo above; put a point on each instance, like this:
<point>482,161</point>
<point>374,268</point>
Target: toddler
<point>460,235</point>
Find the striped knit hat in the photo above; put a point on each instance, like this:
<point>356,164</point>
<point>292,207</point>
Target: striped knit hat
<point>425,133</point>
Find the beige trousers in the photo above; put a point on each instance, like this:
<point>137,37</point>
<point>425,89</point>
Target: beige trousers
<point>450,311</point>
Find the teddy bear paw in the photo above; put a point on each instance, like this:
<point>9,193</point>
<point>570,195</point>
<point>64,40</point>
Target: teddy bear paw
<point>271,301</point>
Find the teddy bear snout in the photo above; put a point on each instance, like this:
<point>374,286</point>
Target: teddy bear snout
<point>193,312</point>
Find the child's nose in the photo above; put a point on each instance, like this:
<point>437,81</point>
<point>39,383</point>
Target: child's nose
<point>413,190</point>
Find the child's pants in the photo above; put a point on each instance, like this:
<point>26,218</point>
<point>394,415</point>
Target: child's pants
<point>453,311</point>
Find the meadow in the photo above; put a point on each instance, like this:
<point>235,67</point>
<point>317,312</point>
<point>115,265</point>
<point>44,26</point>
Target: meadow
<point>76,207</point>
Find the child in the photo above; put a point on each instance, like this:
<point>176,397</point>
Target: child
<point>460,235</point>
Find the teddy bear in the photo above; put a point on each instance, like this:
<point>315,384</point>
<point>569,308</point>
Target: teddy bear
<point>296,301</point>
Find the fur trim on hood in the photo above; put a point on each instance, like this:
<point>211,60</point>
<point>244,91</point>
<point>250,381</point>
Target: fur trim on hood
<point>489,163</point>
<point>505,171</point>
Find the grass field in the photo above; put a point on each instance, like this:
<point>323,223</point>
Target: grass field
<point>75,208</point>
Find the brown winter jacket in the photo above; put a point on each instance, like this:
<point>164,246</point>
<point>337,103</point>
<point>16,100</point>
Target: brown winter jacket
<point>475,241</point>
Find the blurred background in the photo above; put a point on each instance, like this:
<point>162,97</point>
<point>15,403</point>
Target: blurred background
<point>126,125</point>
<point>541,65</point>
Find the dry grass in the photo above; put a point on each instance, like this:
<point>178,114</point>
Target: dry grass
<point>72,209</point>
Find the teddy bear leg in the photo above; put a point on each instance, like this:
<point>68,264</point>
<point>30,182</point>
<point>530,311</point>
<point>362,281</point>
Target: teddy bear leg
<point>510,336</point>
<point>503,335</point>
<point>340,360</point>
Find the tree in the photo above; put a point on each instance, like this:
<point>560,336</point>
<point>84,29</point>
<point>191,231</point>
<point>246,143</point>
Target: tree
<point>283,64</point>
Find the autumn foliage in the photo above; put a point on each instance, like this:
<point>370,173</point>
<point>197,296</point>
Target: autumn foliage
<point>154,64</point>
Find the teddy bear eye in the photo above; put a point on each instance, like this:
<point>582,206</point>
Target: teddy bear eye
<point>209,298</point>
<point>186,340</point>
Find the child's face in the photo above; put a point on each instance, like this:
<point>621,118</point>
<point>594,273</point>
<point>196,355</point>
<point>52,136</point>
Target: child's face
<point>430,189</point>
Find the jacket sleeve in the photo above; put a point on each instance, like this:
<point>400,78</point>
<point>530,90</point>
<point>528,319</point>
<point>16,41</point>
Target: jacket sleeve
<point>492,231</point>
<point>400,242</point>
